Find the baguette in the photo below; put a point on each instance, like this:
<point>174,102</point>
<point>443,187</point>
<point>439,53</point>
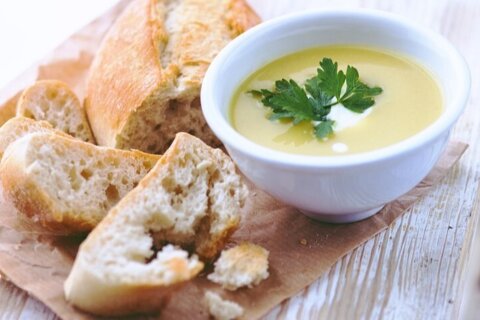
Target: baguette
<point>68,185</point>
<point>144,83</point>
<point>55,102</point>
<point>18,127</point>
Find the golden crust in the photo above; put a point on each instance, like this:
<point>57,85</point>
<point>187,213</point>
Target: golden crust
<point>239,17</point>
<point>210,249</point>
<point>124,73</point>
<point>158,52</point>
<point>25,196</point>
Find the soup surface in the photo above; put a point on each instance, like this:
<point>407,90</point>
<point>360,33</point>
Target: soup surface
<point>411,100</point>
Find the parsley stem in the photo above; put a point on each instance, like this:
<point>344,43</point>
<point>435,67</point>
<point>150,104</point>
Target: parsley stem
<point>331,104</point>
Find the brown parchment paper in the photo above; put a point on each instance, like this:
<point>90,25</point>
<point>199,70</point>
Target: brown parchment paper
<point>301,249</point>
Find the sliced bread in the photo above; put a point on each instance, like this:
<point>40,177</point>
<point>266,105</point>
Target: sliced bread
<point>240,266</point>
<point>193,196</point>
<point>18,127</point>
<point>116,272</point>
<point>55,102</point>
<point>66,184</point>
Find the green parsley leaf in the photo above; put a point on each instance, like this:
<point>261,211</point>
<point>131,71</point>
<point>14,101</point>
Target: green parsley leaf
<point>292,98</point>
<point>324,129</point>
<point>319,99</point>
<point>358,96</point>
<point>314,101</point>
<point>358,102</point>
<point>288,100</point>
<point>329,78</point>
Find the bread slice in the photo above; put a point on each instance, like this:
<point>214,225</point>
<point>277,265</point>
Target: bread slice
<point>18,127</point>
<point>55,102</point>
<point>193,195</point>
<point>144,83</point>
<point>117,273</point>
<point>221,309</point>
<point>68,185</point>
<point>240,266</point>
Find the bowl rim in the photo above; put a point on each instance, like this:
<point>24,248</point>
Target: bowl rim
<point>234,140</point>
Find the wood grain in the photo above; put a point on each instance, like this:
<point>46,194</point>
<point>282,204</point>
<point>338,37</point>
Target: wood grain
<point>416,269</point>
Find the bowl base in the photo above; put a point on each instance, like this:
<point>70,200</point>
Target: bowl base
<point>342,218</point>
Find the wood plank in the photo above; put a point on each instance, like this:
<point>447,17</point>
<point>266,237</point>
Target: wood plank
<point>417,268</point>
<point>470,309</point>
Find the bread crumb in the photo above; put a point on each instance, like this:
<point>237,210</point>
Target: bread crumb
<point>243,265</point>
<point>303,242</point>
<point>222,309</point>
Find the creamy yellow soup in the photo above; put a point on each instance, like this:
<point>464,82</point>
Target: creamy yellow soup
<point>411,100</point>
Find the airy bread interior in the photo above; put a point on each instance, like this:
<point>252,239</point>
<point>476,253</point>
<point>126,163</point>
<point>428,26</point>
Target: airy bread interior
<point>122,254</point>
<point>155,124</point>
<point>58,179</point>
<point>243,265</point>
<point>55,102</point>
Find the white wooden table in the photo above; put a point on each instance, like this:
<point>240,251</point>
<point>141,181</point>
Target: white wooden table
<point>417,269</point>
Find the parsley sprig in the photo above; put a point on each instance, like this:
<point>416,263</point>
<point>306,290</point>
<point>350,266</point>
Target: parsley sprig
<point>314,100</point>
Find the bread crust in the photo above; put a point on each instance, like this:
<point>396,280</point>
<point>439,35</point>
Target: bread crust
<point>24,194</point>
<point>151,64</point>
<point>125,71</point>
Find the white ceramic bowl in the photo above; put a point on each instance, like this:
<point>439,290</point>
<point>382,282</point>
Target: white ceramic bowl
<point>336,188</point>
